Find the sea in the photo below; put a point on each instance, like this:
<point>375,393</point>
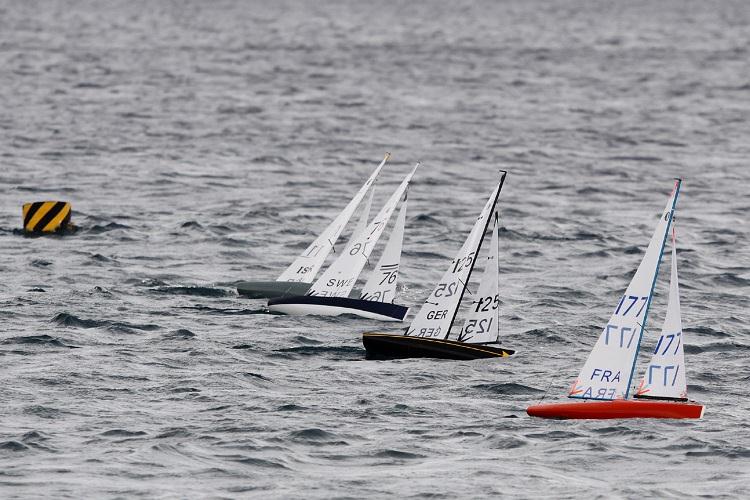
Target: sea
<point>206,143</point>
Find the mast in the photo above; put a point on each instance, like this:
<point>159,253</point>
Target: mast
<point>497,262</point>
<point>653,285</point>
<point>476,254</point>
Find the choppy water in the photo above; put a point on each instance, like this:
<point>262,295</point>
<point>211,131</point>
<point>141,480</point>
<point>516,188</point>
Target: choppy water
<point>203,143</point>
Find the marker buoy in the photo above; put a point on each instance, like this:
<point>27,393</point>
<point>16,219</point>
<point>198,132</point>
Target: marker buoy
<point>47,217</point>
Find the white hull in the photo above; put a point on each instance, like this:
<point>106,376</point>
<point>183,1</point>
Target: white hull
<point>322,310</point>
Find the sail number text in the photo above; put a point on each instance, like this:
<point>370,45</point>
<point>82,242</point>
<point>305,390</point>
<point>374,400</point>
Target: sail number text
<point>483,304</point>
<point>628,304</point>
<point>618,335</point>
<point>463,263</point>
<point>671,338</point>
<point>446,289</point>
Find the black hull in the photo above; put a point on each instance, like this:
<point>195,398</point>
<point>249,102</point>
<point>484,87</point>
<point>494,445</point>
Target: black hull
<point>312,304</point>
<point>397,346</point>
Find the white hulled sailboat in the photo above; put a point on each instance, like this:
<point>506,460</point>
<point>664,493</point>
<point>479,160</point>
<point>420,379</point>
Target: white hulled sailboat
<point>329,295</point>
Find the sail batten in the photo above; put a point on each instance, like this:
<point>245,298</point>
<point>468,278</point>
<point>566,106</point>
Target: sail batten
<point>609,368</point>
<point>306,265</point>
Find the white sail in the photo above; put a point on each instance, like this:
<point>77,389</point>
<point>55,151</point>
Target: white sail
<point>363,218</point>
<point>436,316</point>
<point>339,279</point>
<point>482,322</point>
<point>365,215</point>
<point>381,286</point>
<point>665,374</point>
<point>307,265</point>
<point>609,368</point>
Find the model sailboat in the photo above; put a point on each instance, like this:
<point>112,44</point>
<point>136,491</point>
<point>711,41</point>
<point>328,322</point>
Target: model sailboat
<point>296,279</point>
<point>429,332</point>
<point>329,295</point>
<point>604,381</point>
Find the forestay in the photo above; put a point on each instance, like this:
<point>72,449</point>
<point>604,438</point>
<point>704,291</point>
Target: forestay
<point>609,368</point>
<point>482,322</point>
<point>339,279</point>
<point>307,265</point>
<point>436,316</point>
<point>381,286</point>
<point>665,374</point>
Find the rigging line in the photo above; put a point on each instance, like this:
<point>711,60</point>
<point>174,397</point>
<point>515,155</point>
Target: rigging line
<point>546,391</point>
<point>465,286</point>
<point>333,247</point>
<point>643,327</point>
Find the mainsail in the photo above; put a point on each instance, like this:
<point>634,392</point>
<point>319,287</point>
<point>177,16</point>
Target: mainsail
<point>609,368</point>
<point>438,312</point>
<point>307,265</point>
<point>381,286</point>
<point>664,377</point>
<point>482,322</point>
<point>339,279</point>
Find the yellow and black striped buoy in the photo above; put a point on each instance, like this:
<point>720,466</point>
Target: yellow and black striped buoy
<point>44,217</point>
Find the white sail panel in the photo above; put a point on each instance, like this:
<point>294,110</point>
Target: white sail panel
<point>436,316</point>
<point>665,374</point>
<point>482,322</point>
<point>609,368</point>
<point>381,286</point>
<point>307,265</point>
<point>364,216</point>
<point>339,279</point>
<point>362,224</point>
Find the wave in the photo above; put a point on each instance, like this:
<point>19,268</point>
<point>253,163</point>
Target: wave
<point>396,454</point>
<point>312,350</point>
<point>70,320</point>
<point>45,340</point>
<point>195,291</point>
<point>13,446</point>
<point>105,228</point>
<point>122,433</point>
<point>728,346</point>
<point>227,311</point>
<point>312,434</point>
<point>508,388</point>
<point>182,333</point>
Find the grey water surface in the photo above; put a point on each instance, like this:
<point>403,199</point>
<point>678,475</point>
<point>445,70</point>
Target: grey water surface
<point>204,143</point>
